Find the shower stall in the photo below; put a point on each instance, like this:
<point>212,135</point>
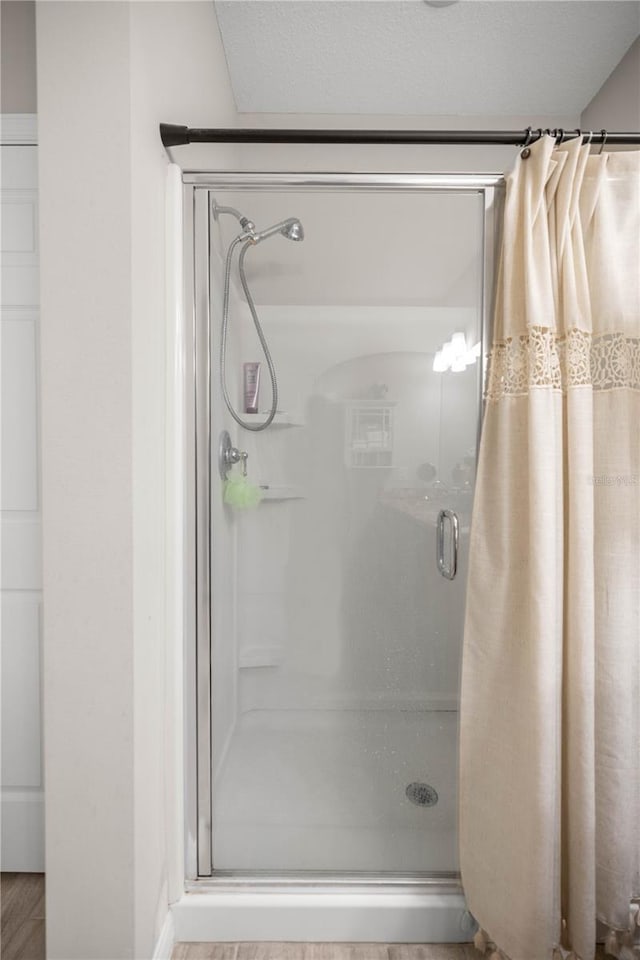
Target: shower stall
<point>325,623</point>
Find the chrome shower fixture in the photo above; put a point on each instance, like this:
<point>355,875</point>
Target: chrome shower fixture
<point>291,229</point>
<point>247,225</point>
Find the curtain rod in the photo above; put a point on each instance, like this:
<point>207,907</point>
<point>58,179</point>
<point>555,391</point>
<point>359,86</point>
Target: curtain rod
<point>173,135</point>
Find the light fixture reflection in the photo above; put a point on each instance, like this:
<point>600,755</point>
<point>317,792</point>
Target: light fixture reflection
<point>454,355</point>
<point>440,363</point>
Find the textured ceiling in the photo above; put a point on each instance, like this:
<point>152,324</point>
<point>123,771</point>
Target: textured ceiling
<point>405,57</point>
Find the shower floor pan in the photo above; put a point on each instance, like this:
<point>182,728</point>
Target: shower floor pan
<point>326,790</point>
<point>313,792</point>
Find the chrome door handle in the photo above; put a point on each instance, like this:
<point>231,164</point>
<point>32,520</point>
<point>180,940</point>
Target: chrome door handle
<point>448,571</point>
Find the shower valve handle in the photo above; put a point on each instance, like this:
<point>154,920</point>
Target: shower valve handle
<point>228,455</point>
<point>235,456</point>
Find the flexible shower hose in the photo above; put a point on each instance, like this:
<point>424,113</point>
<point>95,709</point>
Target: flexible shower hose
<point>263,340</point>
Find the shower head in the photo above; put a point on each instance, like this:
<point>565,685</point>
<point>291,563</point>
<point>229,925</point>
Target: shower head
<point>291,229</point>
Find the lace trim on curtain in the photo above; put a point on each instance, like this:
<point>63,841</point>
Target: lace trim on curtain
<point>623,944</point>
<point>541,359</point>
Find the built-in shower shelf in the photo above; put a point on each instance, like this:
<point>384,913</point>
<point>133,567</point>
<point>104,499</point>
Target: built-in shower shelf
<point>281,419</point>
<point>274,491</point>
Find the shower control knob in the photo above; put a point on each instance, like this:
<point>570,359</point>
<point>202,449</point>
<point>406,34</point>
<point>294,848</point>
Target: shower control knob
<point>228,456</point>
<point>236,456</point>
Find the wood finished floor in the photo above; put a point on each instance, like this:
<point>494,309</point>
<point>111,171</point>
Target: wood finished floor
<point>22,923</point>
<point>323,951</point>
<point>329,951</point>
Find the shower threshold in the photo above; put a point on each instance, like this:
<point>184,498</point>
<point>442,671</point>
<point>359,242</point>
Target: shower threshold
<point>366,909</point>
<point>293,881</point>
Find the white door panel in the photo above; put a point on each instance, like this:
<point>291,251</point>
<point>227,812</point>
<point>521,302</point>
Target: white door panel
<point>21,783</point>
<point>20,286</point>
<point>21,760</point>
<point>19,224</point>
<point>19,167</point>
<point>20,280</point>
<point>19,416</point>
<point>21,553</point>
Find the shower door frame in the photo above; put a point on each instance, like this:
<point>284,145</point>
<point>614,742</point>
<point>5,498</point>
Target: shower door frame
<point>199,854</point>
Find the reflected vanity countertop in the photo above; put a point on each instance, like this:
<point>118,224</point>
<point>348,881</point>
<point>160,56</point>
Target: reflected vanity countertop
<point>414,504</point>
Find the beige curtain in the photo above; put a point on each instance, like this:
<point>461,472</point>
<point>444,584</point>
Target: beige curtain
<point>550,715</point>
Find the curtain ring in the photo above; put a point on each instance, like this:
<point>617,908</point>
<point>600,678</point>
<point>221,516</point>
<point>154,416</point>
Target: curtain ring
<point>587,143</point>
<point>526,152</point>
<point>604,140</point>
<point>559,133</point>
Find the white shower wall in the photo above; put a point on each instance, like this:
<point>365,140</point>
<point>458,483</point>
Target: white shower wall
<point>287,622</point>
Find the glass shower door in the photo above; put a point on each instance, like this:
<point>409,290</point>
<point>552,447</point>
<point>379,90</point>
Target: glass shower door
<point>337,603</point>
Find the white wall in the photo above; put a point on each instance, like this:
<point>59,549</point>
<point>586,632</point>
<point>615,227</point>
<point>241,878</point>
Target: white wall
<point>616,106</point>
<point>83,76</point>
<point>177,70</point>
<point>108,73</point>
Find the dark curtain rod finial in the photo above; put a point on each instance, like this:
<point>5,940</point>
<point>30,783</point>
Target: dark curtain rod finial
<point>173,135</point>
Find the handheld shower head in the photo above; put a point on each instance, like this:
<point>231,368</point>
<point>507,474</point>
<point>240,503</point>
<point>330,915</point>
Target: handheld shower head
<point>292,229</point>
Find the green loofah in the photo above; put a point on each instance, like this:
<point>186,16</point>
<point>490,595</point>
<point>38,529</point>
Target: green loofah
<point>241,494</point>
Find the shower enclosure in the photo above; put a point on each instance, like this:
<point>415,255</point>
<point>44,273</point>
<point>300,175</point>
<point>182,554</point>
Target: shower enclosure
<point>326,622</point>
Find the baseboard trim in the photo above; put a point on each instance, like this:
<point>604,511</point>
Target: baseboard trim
<point>166,941</point>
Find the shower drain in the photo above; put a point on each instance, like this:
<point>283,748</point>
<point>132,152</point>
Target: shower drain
<point>422,794</point>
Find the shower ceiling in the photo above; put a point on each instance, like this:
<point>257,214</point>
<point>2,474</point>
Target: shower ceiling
<point>406,57</point>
